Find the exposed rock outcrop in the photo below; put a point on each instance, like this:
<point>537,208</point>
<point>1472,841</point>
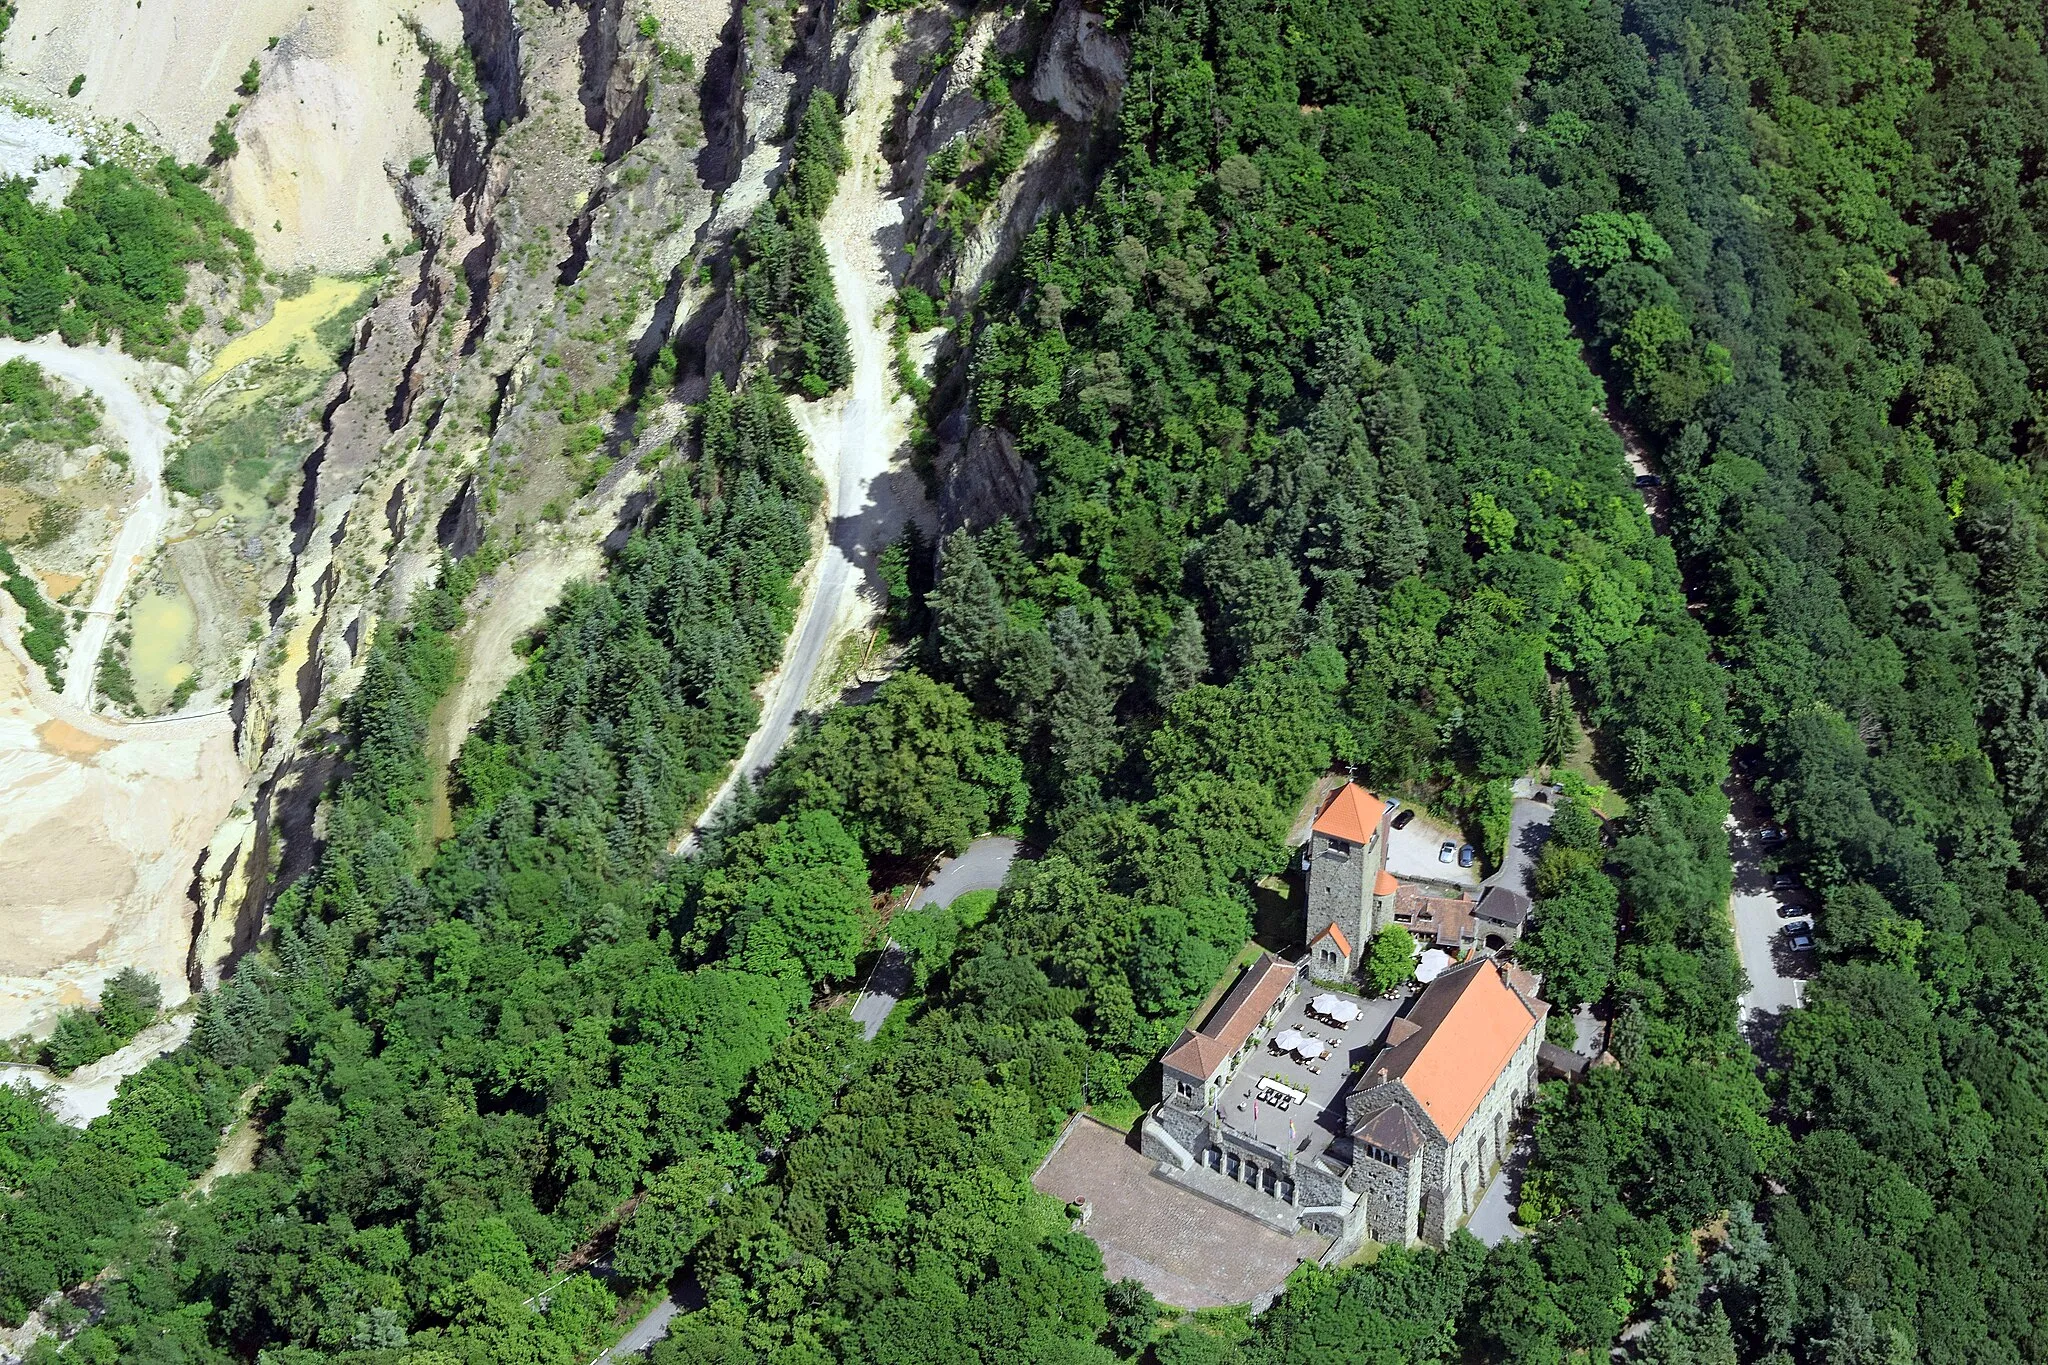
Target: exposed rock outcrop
<point>982,479</point>
<point>490,30</point>
<point>1080,64</point>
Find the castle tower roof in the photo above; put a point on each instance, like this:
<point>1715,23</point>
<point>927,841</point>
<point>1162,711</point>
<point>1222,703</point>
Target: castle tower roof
<point>1353,815</point>
<point>1336,936</point>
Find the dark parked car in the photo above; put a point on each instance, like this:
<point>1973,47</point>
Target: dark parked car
<point>1784,881</point>
<point>1443,855</point>
<point>1466,855</point>
<point>1788,909</point>
<point>1649,481</point>
<point>1405,818</point>
<point>1799,935</point>
<point>1771,834</point>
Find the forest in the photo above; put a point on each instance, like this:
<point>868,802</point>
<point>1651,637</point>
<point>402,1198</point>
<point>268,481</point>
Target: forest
<point>110,265</point>
<point>1317,386</point>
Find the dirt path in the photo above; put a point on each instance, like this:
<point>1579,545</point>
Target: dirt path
<point>119,381</point>
<point>88,1092</point>
<point>856,436</point>
<point>237,1155</point>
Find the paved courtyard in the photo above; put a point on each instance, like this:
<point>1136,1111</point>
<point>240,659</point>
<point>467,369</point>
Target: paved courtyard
<point>1307,1128</point>
<point>1189,1252</point>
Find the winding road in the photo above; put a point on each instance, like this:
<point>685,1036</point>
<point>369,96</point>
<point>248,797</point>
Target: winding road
<point>118,381</point>
<point>855,436</point>
<point>983,867</point>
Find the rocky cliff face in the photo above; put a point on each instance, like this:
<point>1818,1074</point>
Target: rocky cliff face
<point>554,230</point>
<point>1077,79</point>
<point>583,195</point>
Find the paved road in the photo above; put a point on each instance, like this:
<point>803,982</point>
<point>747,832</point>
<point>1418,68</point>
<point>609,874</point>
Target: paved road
<point>855,436</point>
<point>1528,827</point>
<point>118,381</point>
<point>1493,1222</point>
<point>981,868</point>
<point>886,984</point>
<point>643,1333</point>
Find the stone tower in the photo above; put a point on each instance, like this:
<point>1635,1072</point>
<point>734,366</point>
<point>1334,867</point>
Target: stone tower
<point>1350,893</point>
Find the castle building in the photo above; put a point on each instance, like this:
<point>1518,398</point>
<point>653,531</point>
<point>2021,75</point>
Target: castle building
<point>1202,1060</point>
<point>1436,1107</point>
<point>1398,1149</point>
<point>1350,891</point>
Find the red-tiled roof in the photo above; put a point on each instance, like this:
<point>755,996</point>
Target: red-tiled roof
<point>1353,814</point>
<point>1197,1054</point>
<point>1445,920</point>
<point>1469,1024</point>
<point>1384,884</point>
<point>1200,1051</point>
<point>1336,936</point>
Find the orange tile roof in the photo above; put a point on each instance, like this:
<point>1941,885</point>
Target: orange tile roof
<point>1384,884</point>
<point>1336,936</point>
<point>1354,815</point>
<point>1198,1052</point>
<point>1469,1023</point>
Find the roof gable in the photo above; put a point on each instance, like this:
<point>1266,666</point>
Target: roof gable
<point>1503,905</point>
<point>1196,1054</point>
<point>1353,815</point>
<point>1336,936</point>
<point>1391,1130</point>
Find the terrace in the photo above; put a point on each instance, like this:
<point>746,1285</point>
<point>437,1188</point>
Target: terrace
<point>1249,1106</point>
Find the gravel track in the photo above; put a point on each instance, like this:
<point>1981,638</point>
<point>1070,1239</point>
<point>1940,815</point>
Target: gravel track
<point>119,382</point>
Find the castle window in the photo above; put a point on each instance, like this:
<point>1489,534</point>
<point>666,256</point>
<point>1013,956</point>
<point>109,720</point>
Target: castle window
<point>1338,850</point>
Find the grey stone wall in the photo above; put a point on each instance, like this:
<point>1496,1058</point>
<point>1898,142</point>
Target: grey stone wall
<point>1392,1195</point>
<point>1289,1185</point>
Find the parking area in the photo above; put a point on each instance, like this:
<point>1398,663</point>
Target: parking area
<point>1189,1252</point>
<point>1412,854</point>
<point>1777,971</point>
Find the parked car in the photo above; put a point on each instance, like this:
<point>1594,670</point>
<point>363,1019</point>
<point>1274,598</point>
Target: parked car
<point>1466,855</point>
<point>1649,481</point>
<point>1799,936</point>
<point>1790,909</point>
<point>1784,881</point>
<point>1443,855</point>
<point>1771,834</point>
<point>1404,818</point>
